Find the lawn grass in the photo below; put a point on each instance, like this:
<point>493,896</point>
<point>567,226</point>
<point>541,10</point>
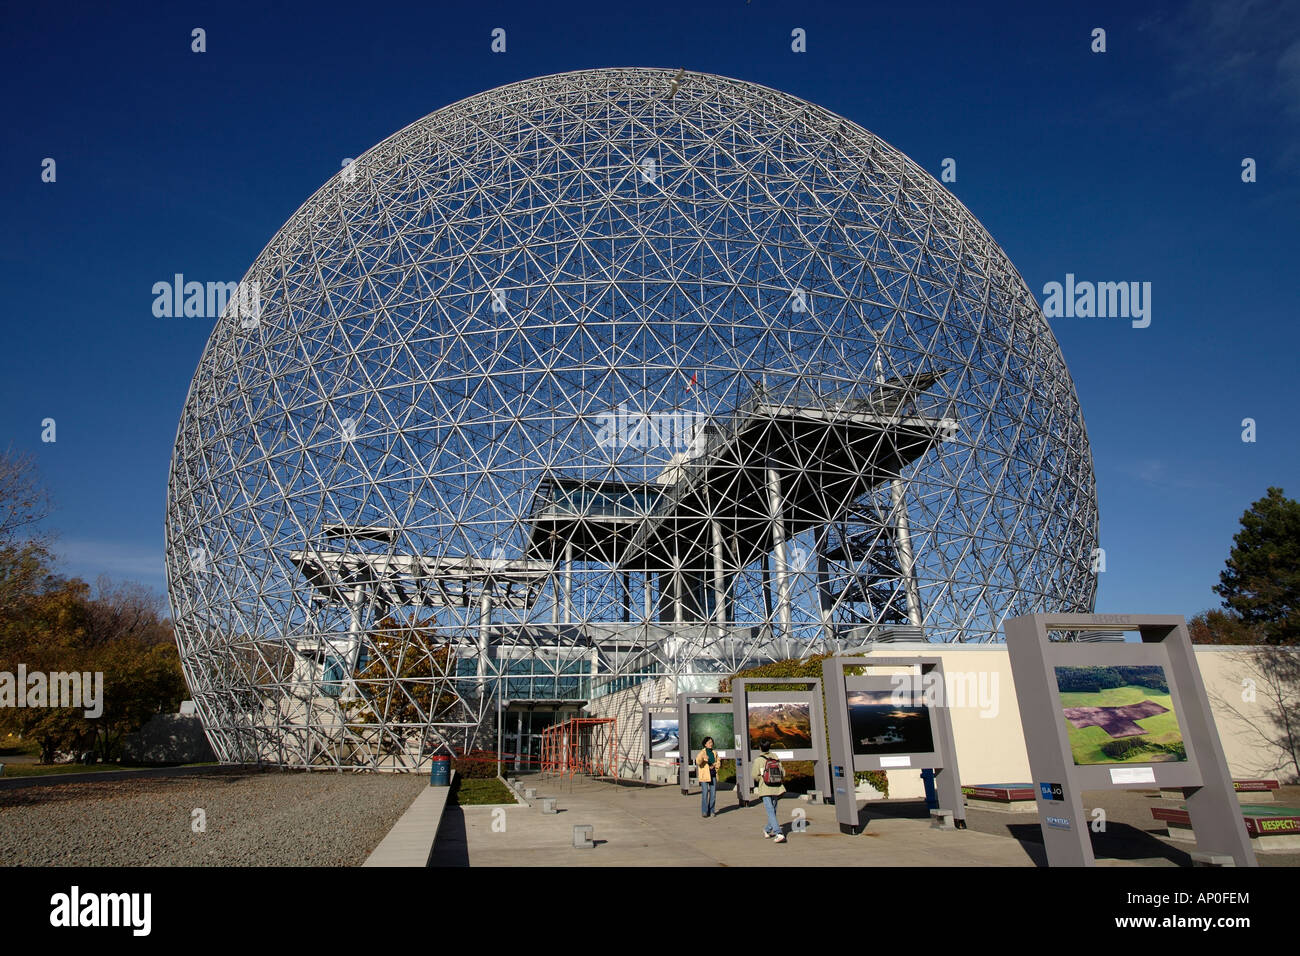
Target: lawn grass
<point>1085,743</point>
<point>11,746</point>
<point>470,791</point>
<point>55,769</point>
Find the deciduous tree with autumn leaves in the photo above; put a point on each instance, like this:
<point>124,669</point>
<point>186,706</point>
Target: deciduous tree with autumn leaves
<point>53,624</point>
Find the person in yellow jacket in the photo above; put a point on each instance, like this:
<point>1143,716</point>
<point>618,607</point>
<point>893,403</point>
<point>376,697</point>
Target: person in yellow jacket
<point>769,791</point>
<point>707,767</point>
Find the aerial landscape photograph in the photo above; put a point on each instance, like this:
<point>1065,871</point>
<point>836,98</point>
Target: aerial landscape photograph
<point>1119,715</point>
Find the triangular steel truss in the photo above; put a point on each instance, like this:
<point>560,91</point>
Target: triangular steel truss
<point>583,380</point>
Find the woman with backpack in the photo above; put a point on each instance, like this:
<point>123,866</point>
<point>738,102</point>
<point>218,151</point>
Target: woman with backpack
<point>769,783</point>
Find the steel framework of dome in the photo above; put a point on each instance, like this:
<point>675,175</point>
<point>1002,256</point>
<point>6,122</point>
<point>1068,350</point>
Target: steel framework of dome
<point>602,376</point>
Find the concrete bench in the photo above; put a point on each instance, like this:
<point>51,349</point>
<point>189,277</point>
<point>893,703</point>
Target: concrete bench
<point>1248,791</point>
<point>1001,797</point>
<point>1269,827</point>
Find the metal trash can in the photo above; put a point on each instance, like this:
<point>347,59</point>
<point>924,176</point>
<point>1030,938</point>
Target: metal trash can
<point>440,770</point>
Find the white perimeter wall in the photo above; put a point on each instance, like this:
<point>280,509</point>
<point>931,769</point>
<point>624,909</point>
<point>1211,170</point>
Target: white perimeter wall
<point>626,706</point>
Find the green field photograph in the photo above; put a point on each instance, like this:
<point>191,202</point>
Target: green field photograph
<point>1117,715</point>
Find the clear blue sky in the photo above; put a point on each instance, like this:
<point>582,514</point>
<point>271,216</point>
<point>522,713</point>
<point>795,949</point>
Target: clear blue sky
<point>1117,166</point>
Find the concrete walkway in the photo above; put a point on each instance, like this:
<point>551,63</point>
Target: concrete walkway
<point>660,827</point>
<point>410,841</point>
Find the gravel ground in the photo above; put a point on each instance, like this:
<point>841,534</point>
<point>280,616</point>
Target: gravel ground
<point>268,818</point>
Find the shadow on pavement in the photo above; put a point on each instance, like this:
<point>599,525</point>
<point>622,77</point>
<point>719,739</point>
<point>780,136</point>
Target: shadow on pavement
<point>451,848</point>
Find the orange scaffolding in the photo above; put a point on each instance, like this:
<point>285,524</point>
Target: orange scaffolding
<point>587,745</point>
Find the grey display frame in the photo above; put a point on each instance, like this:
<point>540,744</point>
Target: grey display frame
<point>844,762</point>
<point>741,695</point>
<point>648,713</point>
<point>1059,783</point>
<point>686,705</point>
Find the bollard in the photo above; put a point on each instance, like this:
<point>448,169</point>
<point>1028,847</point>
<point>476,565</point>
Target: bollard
<point>548,805</point>
<point>582,837</point>
<point>816,797</point>
<point>941,820</point>
<point>530,793</point>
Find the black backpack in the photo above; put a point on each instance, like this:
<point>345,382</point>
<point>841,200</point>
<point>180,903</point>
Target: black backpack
<point>773,775</point>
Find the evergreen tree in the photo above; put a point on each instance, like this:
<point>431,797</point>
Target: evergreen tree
<point>1262,580</point>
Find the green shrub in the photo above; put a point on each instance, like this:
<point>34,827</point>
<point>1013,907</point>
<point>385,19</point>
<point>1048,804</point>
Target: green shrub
<point>477,765</point>
<point>806,667</point>
<point>798,775</point>
<point>1124,745</point>
<point>877,778</point>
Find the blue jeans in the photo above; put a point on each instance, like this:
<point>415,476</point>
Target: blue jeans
<point>708,797</point>
<point>773,824</point>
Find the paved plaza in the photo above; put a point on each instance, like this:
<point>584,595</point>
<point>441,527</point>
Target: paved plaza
<point>657,826</point>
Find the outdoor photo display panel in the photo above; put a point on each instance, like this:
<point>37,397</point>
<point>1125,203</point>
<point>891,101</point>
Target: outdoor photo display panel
<point>702,717</point>
<point>791,719</point>
<point>661,738</point>
<point>1116,714</point>
<point>1112,715</point>
<point>894,721</point>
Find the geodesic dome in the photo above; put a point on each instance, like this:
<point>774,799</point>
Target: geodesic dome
<point>601,376</point>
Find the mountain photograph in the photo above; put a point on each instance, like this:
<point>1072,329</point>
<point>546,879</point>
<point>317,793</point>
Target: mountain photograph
<point>788,726</point>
